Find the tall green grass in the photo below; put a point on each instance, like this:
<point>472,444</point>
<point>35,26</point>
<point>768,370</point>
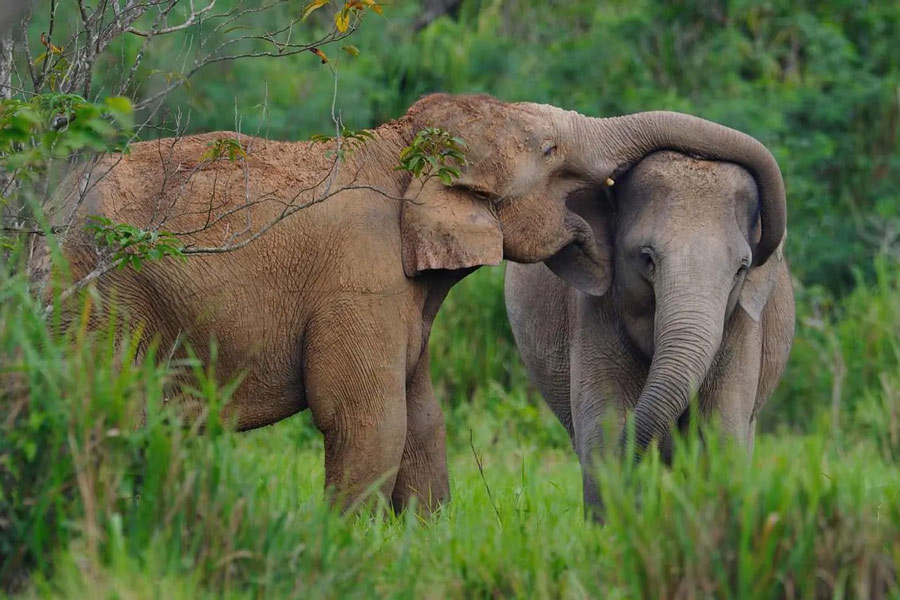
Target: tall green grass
<point>92,506</point>
<point>846,352</point>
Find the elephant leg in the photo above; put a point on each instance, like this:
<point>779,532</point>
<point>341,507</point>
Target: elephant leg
<point>355,375</point>
<point>729,391</point>
<point>598,419</point>
<point>606,381</point>
<point>537,305</point>
<point>423,467</point>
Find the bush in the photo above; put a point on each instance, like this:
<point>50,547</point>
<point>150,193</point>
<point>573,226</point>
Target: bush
<point>800,520</point>
<point>83,489</point>
<point>92,505</point>
<point>843,350</point>
<point>67,451</point>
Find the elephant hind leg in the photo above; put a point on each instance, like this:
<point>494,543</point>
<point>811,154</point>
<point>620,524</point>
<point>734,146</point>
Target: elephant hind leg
<point>355,385</point>
<point>423,468</point>
<point>778,332</point>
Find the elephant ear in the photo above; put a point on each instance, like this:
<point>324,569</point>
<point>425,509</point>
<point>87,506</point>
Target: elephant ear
<point>759,283</point>
<point>587,262</point>
<point>447,228</point>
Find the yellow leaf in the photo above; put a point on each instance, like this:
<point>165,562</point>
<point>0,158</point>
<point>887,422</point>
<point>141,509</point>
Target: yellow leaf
<point>313,6</point>
<point>374,6</point>
<point>350,49</point>
<point>342,20</point>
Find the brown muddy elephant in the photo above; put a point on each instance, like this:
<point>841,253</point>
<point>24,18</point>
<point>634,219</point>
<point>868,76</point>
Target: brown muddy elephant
<point>695,298</point>
<point>331,309</point>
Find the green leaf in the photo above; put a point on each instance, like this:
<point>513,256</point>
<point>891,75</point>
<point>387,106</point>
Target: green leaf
<point>350,49</point>
<point>119,104</point>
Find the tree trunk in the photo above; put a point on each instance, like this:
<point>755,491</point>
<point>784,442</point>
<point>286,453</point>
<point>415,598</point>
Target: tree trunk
<point>6,64</point>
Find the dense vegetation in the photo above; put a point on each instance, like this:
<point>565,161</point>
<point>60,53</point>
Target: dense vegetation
<point>89,506</point>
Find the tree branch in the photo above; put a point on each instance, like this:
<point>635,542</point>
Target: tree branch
<point>190,20</point>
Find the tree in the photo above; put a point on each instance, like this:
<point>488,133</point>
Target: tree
<point>53,121</point>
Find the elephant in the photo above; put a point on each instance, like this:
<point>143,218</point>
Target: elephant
<point>692,301</point>
<point>331,309</point>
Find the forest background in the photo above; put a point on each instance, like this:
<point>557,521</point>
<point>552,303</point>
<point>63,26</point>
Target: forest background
<point>817,82</point>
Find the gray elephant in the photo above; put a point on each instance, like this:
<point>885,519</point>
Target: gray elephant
<point>331,309</point>
<point>695,298</point>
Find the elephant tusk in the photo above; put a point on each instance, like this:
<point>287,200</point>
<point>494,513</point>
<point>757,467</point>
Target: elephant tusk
<point>610,182</point>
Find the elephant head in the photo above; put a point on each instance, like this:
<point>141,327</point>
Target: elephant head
<point>685,239</point>
<point>526,160</point>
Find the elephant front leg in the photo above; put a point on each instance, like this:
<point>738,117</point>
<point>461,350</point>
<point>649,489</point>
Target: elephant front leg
<point>606,376</point>
<point>423,468</point>
<point>355,382</point>
<point>605,385</point>
<point>729,391</point>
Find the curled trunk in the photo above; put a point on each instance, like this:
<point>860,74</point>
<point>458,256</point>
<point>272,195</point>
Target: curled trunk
<point>625,141</point>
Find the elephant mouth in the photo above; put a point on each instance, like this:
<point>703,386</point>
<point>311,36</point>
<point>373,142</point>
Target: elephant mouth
<point>580,262</point>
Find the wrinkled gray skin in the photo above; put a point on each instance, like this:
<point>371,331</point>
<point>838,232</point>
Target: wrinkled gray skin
<point>331,310</point>
<point>686,307</point>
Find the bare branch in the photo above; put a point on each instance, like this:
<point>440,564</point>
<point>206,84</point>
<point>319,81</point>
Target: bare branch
<point>6,65</point>
<point>69,67</point>
<point>190,20</point>
<point>103,268</point>
<point>212,59</point>
<point>21,230</point>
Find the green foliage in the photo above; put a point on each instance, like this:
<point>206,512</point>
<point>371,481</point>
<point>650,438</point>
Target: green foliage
<point>67,448</point>
<point>90,505</point>
<point>94,506</point>
<point>472,348</point>
<point>56,126</point>
<point>229,147</point>
<point>723,526</point>
<point>351,13</point>
<point>430,153</point>
<point>843,351</point>
<point>816,82</point>
<point>876,416</point>
<point>350,141</point>
<point>132,245</point>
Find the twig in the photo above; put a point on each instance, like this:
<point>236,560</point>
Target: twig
<point>484,479</point>
<point>104,267</point>
<point>190,20</point>
<point>30,230</point>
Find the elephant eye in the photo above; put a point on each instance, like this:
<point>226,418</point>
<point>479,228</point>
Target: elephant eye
<point>547,147</point>
<point>480,194</point>
<point>648,260</point>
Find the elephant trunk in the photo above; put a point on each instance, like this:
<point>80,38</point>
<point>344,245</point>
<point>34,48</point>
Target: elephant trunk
<point>625,141</point>
<point>688,329</point>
